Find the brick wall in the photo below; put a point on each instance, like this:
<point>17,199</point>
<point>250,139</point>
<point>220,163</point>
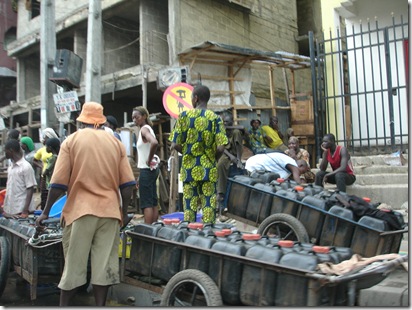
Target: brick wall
<point>28,25</point>
<point>120,45</point>
<point>80,46</point>
<point>32,76</point>
<point>267,26</point>
<point>154,25</point>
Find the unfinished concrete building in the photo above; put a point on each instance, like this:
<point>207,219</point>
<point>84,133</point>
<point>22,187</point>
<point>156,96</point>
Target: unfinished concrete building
<point>141,37</point>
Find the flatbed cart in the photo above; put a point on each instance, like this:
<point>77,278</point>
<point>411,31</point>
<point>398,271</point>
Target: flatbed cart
<point>35,263</point>
<point>239,280</point>
<point>257,205</point>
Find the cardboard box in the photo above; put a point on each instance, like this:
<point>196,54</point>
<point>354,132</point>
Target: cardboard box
<point>306,129</point>
<point>302,110</point>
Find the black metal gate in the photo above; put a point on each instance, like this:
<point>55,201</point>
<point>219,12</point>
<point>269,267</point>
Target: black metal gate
<point>360,87</point>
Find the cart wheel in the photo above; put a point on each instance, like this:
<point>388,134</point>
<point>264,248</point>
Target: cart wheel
<point>283,226</point>
<point>189,288</point>
<point>4,262</point>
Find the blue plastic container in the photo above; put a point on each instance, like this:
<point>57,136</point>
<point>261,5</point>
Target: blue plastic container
<point>179,215</point>
<point>57,207</point>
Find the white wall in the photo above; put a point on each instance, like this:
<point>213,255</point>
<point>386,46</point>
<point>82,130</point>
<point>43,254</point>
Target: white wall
<point>367,68</point>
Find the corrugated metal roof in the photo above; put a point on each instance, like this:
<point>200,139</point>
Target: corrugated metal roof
<point>220,53</point>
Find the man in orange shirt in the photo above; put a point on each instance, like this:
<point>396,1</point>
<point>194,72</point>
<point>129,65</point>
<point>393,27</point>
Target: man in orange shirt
<point>92,167</point>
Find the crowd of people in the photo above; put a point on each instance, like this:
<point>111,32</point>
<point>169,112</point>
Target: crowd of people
<point>91,167</point>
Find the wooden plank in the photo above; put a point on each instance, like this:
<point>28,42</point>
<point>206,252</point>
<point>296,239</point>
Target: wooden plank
<point>230,92</point>
<point>174,170</point>
<point>285,80</point>
<point>302,110</point>
<point>144,285</point>
<point>220,78</point>
<point>294,96</point>
<point>272,93</point>
<point>246,107</point>
<point>303,129</point>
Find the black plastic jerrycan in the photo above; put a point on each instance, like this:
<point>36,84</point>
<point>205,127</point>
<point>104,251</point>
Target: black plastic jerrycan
<point>254,278</point>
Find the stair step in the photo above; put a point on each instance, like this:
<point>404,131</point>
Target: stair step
<point>385,178</point>
<point>377,180</point>
<point>394,195</point>
<point>373,160</point>
<point>380,169</point>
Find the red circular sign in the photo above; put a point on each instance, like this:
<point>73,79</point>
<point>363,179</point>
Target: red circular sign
<point>177,98</point>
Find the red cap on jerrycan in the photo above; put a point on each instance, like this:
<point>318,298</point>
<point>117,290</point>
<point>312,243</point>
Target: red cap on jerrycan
<point>320,249</point>
<point>286,243</point>
<point>168,221</point>
<point>325,255</point>
<point>221,235</point>
<point>195,225</point>
<point>287,246</point>
<point>251,236</point>
<point>251,239</point>
<point>227,231</point>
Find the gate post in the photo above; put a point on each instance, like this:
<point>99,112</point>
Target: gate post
<point>390,89</point>
<point>314,93</point>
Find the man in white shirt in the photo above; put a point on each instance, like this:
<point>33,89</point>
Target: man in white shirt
<point>20,182</point>
<point>279,163</point>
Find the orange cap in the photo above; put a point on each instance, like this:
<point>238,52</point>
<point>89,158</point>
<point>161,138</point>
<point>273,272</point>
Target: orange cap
<point>168,221</point>
<point>227,231</point>
<point>367,199</point>
<point>299,188</point>
<point>320,249</point>
<point>195,225</point>
<point>286,243</point>
<point>220,233</point>
<point>280,180</point>
<point>251,236</point>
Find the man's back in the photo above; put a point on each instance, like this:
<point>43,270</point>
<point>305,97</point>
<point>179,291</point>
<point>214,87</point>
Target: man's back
<point>199,132</point>
<point>92,164</point>
<point>274,162</point>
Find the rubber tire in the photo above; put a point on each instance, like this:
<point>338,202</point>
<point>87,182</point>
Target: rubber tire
<point>5,255</point>
<point>296,226</point>
<point>210,290</point>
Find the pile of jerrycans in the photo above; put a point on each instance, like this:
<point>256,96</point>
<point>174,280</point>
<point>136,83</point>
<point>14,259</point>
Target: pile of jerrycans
<point>327,222</point>
<point>210,248</point>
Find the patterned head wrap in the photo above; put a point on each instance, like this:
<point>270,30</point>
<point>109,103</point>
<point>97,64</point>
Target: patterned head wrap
<point>49,133</point>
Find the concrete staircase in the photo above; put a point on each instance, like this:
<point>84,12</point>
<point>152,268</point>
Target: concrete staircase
<point>379,181</point>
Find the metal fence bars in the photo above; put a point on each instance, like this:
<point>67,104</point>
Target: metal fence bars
<point>360,86</point>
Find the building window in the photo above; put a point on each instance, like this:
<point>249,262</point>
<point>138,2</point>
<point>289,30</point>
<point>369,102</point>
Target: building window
<point>34,7</point>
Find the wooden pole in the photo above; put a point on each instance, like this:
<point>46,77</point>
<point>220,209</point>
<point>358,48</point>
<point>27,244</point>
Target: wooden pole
<point>232,94</point>
<point>285,79</point>
<point>272,91</point>
<point>174,170</point>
